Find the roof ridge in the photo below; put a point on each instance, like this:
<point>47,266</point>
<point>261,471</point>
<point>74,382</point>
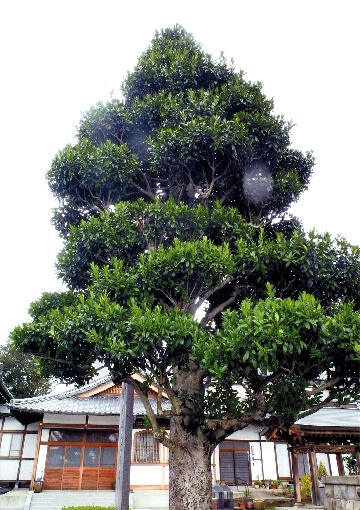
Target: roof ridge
<point>83,389</point>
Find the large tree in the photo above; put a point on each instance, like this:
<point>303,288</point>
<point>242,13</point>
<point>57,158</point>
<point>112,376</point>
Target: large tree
<point>182,264</point>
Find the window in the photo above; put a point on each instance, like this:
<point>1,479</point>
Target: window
<point>146,448</point>
<point>79,436</point>
<point>56,456</point>
<point>73,456</point>
<point>99,436</point>
<point>91,457</point>
<point>11,445</point>
<point>69,436</point>
<point>107,457</point>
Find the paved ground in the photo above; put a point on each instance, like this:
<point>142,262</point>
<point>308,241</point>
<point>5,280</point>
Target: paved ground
<point>22,499</point>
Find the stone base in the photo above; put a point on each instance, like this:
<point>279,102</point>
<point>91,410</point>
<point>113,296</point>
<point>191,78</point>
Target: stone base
<point>342,492</point>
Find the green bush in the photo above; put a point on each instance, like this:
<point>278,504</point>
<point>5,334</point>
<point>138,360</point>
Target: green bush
<point>350,463</point>
<point>305,485</point>
<point>321,470</point>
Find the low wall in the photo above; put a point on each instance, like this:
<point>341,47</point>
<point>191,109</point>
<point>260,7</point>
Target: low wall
<point>342,492</point>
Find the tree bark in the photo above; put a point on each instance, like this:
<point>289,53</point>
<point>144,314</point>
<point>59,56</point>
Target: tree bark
<point>190,480</point>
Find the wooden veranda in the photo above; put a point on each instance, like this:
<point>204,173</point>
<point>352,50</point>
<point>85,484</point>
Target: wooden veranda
<point>313,439</point>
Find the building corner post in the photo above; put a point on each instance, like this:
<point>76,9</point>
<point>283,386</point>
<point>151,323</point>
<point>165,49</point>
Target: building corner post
<point>295,470</point>
<point>122,488</point>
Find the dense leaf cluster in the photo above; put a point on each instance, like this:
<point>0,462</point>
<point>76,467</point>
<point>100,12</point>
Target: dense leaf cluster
<point>189,129</point>
<point>179,258</point>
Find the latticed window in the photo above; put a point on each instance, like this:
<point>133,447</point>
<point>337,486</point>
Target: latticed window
<point>146,448</point>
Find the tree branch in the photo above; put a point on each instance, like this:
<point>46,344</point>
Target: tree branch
<point>325,386</point>
<point>315,408</point>
<point>159,432</point>
<point>218,309</point>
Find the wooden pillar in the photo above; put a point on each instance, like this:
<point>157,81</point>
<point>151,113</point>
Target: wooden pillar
<point>36,458</point>
<point>122,490</point>
<point>314,478</point>
<point>340,464</point>
<point>296,478</point>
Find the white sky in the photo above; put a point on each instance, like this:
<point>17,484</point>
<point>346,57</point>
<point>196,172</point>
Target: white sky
<point>57,58</point>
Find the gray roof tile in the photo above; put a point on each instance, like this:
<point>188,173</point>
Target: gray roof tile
<point>332,417</point>
<point>74,405</point>
<point>71,402</point>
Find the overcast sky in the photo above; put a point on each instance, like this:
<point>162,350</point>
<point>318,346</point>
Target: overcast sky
<point>57,58</point>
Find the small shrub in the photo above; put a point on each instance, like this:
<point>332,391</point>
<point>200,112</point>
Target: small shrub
<point>321,470</point>
<point>305,485</point>
<point>350,463</point>
<point>286,489</point>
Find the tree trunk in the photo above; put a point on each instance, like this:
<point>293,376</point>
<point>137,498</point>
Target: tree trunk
<point>190,479</point>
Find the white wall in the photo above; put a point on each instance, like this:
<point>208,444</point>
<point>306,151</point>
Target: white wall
<point>216,469</point>
<point>9,469</point>
<point>255,459</point>
<point>249,433</point>
<point>12,424</point>
<point>26,470</point>
<point>29,445</point>
<point>41,461</point>
<point>45,433</point>
<point>283,460</point>
<point>5,445</point>
<point>33,426</point>
<point>269,461</point>
<point>104,420</point>
<point>65,419</point>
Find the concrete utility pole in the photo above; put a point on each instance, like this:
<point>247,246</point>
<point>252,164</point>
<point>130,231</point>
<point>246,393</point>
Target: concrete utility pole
<point>122,490</point>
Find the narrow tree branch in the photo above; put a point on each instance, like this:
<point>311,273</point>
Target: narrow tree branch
<point>325,386</point>
<point>315,408</point>
<point>159,432</point>
<point>218,309</point>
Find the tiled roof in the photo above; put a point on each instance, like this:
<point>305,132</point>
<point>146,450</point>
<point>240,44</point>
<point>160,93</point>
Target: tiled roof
<point>332,417</point>
<point>75,405</point>
<point>79,390</point>
<point>71,402</point>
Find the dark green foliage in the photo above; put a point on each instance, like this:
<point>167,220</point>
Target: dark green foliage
<point>173,63</point>
<point>189,129</point>
<point>350,463</point>
<point>182,262</point>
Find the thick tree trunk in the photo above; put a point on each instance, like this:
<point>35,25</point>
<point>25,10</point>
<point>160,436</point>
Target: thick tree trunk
<point>190,469</point>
